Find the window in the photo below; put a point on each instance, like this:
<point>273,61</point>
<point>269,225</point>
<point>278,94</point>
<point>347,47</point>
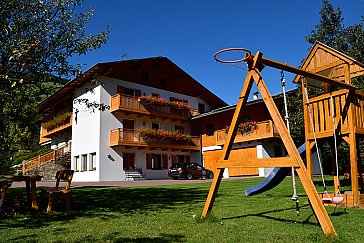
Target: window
<point>129,92</point>
<point>210,129</point>
<point>76,164</point>
<point>157,162</point>
<point>201,108</point>
<point>155,126</point>
<point>92,161</point>
<point>84,162</point>
<point>145,77</point>
<point>181,158</point>
<point>155,95</point>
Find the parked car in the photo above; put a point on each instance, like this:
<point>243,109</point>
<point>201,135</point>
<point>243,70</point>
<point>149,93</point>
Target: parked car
<point>189,171</point>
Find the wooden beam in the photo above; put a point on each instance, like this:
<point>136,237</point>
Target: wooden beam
<point>307,74</point>
<point>307,183</point>
<point>258,163</point>
<point>243,99</point>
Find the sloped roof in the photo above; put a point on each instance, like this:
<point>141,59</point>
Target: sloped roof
<point>161,72</point>
<point>329,62</point>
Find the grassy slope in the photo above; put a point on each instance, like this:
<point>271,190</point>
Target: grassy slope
<point>165,214</point>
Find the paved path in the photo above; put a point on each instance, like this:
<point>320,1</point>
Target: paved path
<point>127,183</point>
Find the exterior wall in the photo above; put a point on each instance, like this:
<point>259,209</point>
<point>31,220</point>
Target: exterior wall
<point>91,133</point>
<point>86,134</point>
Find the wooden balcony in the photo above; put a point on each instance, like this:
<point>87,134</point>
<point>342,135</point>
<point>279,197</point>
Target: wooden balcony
<point>55,131</point>
<point>131,138</point>
<point>322,113</point>
<point>264,130</point>
<point>131,105</point>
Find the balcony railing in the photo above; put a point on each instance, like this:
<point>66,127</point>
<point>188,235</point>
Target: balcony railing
<point>55,130</point>
<point>322,113</point>
<point>46,157</point>
<point>264,130</point>
<point>133,105</point>
<point>120,137</point>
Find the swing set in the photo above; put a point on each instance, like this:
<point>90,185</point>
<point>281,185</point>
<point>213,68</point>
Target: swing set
<point>255,64</point>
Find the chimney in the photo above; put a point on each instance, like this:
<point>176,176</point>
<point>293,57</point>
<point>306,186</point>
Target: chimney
<point>255,95</point>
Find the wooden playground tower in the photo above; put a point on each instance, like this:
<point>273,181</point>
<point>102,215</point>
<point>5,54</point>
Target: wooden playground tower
<point>255,64</point>
<point>339,111</point>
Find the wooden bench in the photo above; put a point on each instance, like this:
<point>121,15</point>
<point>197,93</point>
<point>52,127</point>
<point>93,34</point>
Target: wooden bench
<point>57,191</point>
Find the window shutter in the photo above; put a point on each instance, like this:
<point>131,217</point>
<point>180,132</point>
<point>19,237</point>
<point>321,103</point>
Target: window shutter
<point>188,158</point>
<point>138,93</point>
<point>165,161</point>
<point>174,159</point>
<point>149,161</point>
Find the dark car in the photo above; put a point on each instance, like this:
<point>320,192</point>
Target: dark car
<point>189,171</point>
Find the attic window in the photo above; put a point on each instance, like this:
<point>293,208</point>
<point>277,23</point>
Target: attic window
<point>145,77</point>
<point>162,82</point>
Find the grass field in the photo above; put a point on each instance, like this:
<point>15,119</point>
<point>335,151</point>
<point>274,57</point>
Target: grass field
<point>170,213</point>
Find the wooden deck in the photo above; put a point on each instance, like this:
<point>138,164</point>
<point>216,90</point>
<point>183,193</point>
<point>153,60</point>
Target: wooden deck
<point>264,130</point>
<point>131,138</point>
<point>55,131</point>
<point>131,105</point>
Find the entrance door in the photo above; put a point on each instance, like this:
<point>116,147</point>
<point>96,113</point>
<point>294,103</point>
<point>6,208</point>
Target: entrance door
<point>128,130</point>
<point>129,162</point>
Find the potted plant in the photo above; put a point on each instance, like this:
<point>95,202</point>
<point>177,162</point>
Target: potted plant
<point>245,128</point>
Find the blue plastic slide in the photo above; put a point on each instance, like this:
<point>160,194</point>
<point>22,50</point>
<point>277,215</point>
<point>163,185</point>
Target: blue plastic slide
<point>275,177</point>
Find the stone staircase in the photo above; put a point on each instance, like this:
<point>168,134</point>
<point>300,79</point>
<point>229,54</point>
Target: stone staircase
<point>134,174</point>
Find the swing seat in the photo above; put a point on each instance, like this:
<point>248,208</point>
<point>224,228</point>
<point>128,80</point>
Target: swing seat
<point>338,200</point>
<point>327,200</point>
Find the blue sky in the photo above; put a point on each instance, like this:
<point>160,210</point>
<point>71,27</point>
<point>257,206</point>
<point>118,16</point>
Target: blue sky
<point>190,32</point>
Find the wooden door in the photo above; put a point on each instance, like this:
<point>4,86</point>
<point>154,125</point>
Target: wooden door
<point>129,162</point>
<point>128,130</point>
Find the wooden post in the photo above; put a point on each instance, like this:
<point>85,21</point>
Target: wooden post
<point>307,124</point>
<point>228,143</point>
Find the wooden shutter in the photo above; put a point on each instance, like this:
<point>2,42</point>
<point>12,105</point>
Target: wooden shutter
<point>149,161</point>
<point>138,93</point>
<point>188,158</point>
<point>120,89</point>
<point>174,159</point>
<point>165,161</point>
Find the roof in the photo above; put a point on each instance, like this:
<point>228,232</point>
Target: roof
<point>232,107</point>
<point>158,72</point>
<point>327,61</point>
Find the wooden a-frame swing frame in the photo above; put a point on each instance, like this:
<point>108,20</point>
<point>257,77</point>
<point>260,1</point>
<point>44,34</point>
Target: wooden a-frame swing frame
<point>255,64</point>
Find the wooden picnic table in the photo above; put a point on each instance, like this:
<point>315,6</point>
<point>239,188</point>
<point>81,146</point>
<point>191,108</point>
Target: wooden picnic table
<point>30,185</point>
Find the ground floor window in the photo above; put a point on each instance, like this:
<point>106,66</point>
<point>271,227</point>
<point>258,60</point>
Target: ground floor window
<point>157,162</point>
<point>92,161</point>
<point>84,162</point>
<point>76,161</point>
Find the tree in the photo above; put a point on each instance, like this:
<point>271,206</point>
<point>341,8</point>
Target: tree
<point>38,39</point>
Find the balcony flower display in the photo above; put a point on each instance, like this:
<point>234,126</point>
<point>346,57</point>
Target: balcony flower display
<point>157,101</point>
<point>245,128</point>
<point>58,120</point>
<point>162,135</point>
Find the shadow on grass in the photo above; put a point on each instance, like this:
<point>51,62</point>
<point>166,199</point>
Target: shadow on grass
<point>99,202</point>
<point>264,215</point>
<point>162,238</point>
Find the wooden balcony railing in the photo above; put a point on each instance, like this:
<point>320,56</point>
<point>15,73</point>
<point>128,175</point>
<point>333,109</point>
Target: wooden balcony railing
<point>46,157</point>
<point>120,137</point>
<point>265,129</point>
<point>54,131</point>
<point>133,105</point>
<point>322,113</point>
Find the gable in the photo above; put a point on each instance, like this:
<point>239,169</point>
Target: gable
<point>330,63</point>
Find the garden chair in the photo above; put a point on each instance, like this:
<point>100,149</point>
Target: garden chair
<point>57,191</point>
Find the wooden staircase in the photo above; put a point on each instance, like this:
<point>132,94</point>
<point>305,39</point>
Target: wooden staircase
<point>47,163</point>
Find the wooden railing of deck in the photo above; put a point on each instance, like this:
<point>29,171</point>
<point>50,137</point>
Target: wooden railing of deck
<point>264,129</point>
<point>132,138</point>
<point>323,110</point>
<point>47,132</point>
<point>130,104</point>
<point>46,157</point>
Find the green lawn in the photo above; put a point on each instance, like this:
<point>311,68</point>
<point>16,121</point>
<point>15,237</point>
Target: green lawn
<point>169,214</point>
